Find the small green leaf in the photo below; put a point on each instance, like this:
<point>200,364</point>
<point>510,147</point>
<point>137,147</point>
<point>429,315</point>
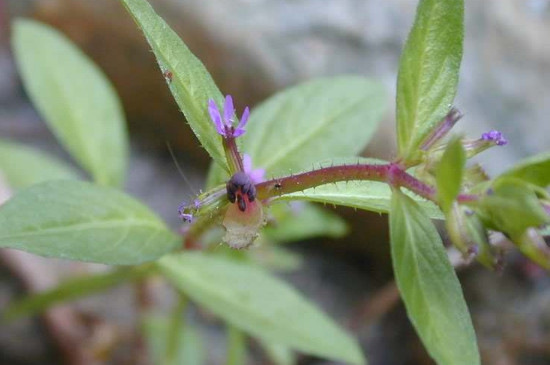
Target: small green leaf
<point>81,221</point>
<point>429,286</point>
<point>75,98</point>
<point>449,173</point>
<point>535,170</point>
<point>74,289</point>
<point>254,301</point>
<point>428,71</point>
<point>297,221</point>
<point>23,166</point>
<point>532,244</point>
<point>190,349</point>
<point>191,84</point>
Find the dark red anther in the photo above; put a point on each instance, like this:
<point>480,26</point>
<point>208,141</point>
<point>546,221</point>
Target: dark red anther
<point>240,189</point>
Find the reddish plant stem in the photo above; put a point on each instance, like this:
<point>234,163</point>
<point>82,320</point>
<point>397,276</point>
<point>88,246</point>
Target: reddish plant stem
<point>234,159</point>
<point>393,174</point>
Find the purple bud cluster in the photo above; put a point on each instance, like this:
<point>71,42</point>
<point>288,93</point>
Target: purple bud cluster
<point>495,136</point>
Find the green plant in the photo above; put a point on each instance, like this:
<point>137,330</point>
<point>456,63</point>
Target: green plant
<point>321,122</point>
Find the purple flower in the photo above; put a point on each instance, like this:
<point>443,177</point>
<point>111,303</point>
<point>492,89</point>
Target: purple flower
<point>224,125</point>
<point>186,217</point>
<point>256,175</point>
<point>495,136</point>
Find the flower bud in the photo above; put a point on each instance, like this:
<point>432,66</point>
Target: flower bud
<point>469,236</point>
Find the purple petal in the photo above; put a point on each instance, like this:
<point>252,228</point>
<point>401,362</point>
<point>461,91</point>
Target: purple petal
<point>215,116</point>
<point>228,111</point>
<point>495,136</point>
<point>247,163</point>
<point>257,176</point>
<point>238,132</point>
<point>186,217</point>
<point>244,118</point>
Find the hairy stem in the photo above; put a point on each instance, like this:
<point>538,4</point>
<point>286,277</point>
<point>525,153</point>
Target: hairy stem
<point>393,174</point>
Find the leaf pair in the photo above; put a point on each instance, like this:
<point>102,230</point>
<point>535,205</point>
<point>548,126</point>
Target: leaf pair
<point>426,86</point>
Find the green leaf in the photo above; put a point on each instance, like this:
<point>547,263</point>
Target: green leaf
<point>190,349</point>
<point>254,301</point>
<point>300,220</point>
<point>535,170</point>
<point>428,71</point>
<point>23,166</point>
<point>449,173</point>
<point>274,257</point>
<point>310,122</point>
<point>368,195</point>
<point>191,84</point>
<point>75,98</point>
<point>74,289</point>
<point>429,286</point>
<point>81,221</point>
<point>320,119</point>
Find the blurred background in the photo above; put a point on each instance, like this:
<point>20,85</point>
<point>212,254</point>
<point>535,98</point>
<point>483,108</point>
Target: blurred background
<point>254,48</point>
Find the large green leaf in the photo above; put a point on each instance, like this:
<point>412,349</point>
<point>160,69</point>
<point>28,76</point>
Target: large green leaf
<point>81,221</point>
<point>429,286</point>
<point>300,220</point>
<point>251,299</point>
<point>449,173</point>
<point>23,166</point>
<point>75,98</point>
<point>74,289</point>
<point>190,84</point>
<point>428,70</point>
<point>535,169</point>
<point>320,119</point>
<point>324,118</point>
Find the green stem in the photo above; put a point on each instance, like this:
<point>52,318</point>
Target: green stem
<point>234,159</point>
<point>236,346</point>
<point>175,330</point>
